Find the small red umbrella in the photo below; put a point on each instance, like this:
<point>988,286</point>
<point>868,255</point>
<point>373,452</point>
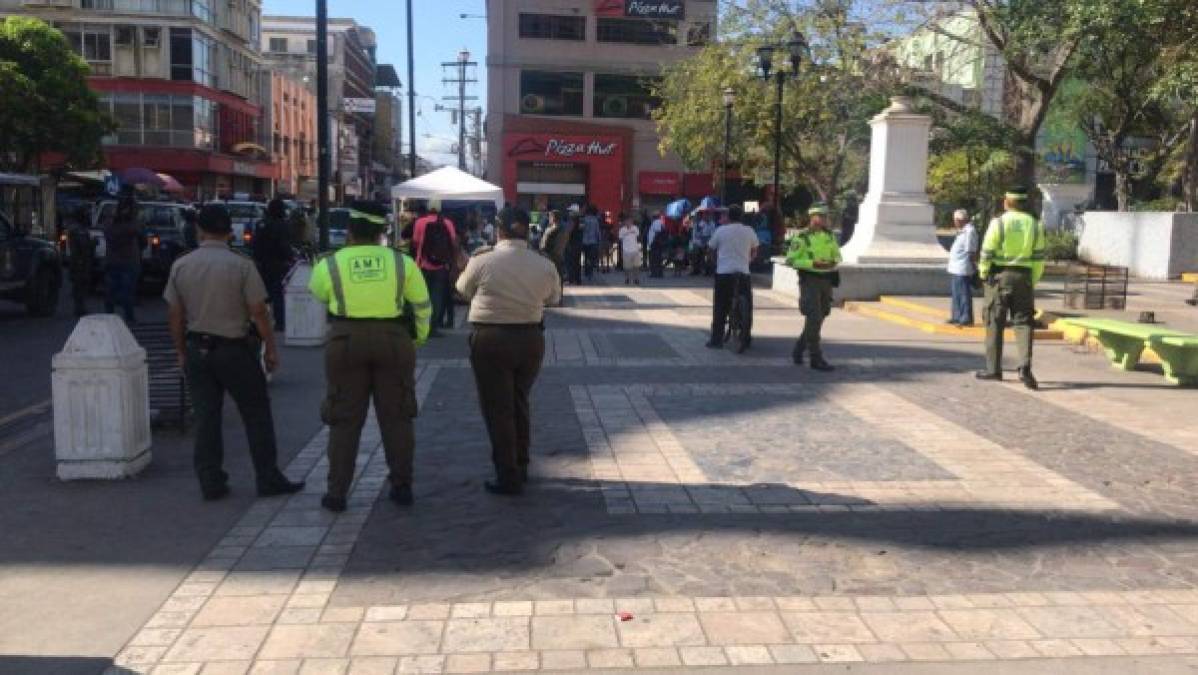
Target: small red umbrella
<point>169,184</point>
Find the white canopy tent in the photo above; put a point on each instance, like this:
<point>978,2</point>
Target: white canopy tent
<point>449,184</point>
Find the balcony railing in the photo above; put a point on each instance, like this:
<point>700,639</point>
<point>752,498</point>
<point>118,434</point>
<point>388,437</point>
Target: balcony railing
<point>170,7</point>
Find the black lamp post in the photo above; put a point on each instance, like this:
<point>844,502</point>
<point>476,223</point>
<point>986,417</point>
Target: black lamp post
<point>794,49</point>
<point>729,99</point>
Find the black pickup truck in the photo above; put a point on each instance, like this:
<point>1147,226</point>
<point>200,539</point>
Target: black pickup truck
<point>30,270</point>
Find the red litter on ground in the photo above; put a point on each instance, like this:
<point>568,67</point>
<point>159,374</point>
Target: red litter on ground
<point>625,616</point>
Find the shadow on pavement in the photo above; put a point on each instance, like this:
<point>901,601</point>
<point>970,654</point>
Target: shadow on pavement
<point>54,665</point>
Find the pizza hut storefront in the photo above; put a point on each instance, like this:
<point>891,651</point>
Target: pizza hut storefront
<point>552,171</point>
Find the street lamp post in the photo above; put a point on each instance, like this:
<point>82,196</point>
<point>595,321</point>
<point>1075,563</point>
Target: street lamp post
<point>323,132</point>
<point>729,99</point>
<point>794,49</point>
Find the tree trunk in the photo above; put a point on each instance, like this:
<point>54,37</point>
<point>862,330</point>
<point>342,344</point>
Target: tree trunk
<point>1123,187</point>
<point>1189,182</point>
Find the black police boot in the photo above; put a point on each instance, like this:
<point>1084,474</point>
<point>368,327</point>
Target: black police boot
<point>279,485</point>
<point>821,365</point>
<point>215,492</point>
<point>334,504</point>
<point>712,344</point>
<point>402,495</point>
<point>504,489</point>
<point>1028,380</point>
<point>797,354</point>
<point>988,376</point>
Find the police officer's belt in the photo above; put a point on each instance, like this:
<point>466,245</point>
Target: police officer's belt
<point>209,341</point>
<point>510,326</point>
<point>351,319</point>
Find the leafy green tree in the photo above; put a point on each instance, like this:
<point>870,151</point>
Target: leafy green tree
<point>1038,42</point>
<point>826,107</point>
<point>1121,65</point>
<point>46,104</point>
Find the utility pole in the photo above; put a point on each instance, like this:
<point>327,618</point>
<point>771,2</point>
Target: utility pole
<point>323,141</point>
<point>476,141</point>
<point>411,97</point>
<point>461,78</point>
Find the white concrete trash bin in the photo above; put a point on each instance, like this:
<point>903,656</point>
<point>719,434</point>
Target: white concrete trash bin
<point>307,320</point>
<point>101,402</point>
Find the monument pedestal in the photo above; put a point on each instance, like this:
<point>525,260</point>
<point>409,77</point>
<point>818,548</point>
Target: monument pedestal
<point>894,250</point>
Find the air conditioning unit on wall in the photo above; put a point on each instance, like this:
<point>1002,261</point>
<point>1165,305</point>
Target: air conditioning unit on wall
<point>532,103</point>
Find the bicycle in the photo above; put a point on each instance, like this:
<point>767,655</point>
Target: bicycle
<point>737,332</point>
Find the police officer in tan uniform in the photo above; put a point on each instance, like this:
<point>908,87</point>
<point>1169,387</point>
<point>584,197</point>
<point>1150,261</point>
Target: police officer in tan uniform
<point>214,295</point>
<point>508,287</point>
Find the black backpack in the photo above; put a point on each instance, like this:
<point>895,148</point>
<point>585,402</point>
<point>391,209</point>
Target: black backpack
<point>437,246</point>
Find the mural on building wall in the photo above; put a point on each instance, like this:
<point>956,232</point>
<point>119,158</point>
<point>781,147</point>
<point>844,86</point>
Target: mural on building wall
<point>1062,146</point>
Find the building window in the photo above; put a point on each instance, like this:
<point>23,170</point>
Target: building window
<point>553,27</point>
<point>192,57</point>
<point>126,36</point>
<point>278,44</point>
<point>201,10</point>
<point>161,120</point>
<point>638,31</point>
<point>550,93</point>
<point>151,36</point>
<point>698,34</point>
<point>311,46</point>
<point>92,42</point>
<point>624,96</point>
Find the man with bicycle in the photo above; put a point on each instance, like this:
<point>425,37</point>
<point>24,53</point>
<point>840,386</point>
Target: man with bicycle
<point>735,245</point>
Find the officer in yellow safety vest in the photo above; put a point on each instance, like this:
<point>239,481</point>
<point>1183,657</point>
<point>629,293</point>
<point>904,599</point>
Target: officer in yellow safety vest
<point>1012,263</point>
<point>815,254</point>
<point>379,313</point>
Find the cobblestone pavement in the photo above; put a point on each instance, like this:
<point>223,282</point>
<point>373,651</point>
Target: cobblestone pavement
<point>695,508</point>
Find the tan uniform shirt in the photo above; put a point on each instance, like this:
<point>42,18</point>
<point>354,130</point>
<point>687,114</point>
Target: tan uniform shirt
<point>511,284</point>
<point>215,287</point>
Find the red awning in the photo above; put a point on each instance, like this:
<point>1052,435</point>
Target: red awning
<point>658,183</point>
<point>698,185</point>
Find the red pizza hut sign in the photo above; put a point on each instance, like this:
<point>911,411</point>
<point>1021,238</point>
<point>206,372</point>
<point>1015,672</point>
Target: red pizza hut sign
<point>563,148</point>
<point>642,9</point>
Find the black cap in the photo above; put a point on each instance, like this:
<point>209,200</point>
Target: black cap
<point>214,219</point>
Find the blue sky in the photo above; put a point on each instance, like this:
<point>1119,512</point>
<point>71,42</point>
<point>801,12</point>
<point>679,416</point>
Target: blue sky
<point>440,34</point>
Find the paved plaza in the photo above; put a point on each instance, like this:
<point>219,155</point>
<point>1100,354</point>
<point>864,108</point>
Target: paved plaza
<point>694,508</point>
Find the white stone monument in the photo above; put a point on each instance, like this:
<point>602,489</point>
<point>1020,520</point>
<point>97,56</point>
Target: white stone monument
<point>894,250</point>
<point>307,318</point>
<point>101,402</point>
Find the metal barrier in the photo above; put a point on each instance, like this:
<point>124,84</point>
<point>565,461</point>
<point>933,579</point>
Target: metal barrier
<point>169,398</point>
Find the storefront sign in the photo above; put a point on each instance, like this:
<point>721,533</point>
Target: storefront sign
<point>365,106</point>
<point>658,183</point>
<point>642,9</point>
<point>563,148</point>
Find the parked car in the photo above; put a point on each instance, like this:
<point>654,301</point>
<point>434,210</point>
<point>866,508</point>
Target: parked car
<point>30,270</point>
<point>246,217</point>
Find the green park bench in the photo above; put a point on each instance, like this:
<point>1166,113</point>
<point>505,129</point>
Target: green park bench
<point>1124,342</point>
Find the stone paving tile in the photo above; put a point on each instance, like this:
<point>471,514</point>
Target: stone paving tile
<point>398,638</point>
<point>661,630</point>
<point>240,611</point>
<point>577,632</point>
<point>308,641</point>
<point>218,644</point>
<point>487,635</point>
<point>827,627</point>
<point>752,628</point>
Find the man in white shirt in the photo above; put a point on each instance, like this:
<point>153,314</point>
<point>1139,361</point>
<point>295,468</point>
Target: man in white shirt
<point>735,245</point>
<point>630,246</point>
